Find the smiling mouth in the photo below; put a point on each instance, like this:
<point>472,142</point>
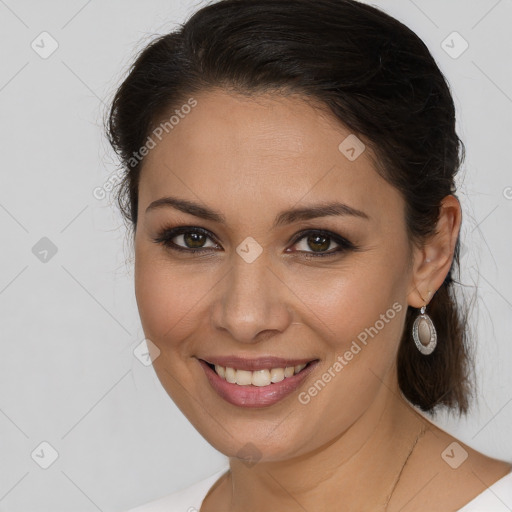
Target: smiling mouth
<point>258,378</point>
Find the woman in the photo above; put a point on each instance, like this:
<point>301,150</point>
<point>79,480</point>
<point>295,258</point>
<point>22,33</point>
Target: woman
<point>289,180</point>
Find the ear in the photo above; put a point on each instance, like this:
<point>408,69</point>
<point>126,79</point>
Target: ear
<point>432,262</point>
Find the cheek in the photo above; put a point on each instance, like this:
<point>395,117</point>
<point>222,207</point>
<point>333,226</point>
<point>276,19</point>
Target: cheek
<point>343,302</point>
<point>359,316</point>
<point>358,313</point>
<point>167,298</point>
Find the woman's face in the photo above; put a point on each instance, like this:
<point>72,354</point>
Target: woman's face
<point>261,285</point>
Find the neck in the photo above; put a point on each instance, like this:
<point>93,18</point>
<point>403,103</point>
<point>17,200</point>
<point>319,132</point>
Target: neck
<point>361,466</point>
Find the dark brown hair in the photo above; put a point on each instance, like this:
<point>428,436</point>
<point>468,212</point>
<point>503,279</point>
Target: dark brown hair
<point>375,75</point>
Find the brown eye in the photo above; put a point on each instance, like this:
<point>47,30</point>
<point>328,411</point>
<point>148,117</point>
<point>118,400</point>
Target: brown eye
<point>317,243</point>
<point>193,239</point>
<point>188,239</point>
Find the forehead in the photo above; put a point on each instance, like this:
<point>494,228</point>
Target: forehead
<point>266,126</point>
<point>265,148</point>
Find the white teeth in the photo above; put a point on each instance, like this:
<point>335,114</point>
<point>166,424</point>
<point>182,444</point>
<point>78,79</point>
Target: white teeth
<point>231,375</point>
<point>276,374</point>
<point>243,377</point>
<point>289,371</point>
<point>258,377</point>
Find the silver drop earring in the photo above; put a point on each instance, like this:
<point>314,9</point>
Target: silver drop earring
<point>424,333</point>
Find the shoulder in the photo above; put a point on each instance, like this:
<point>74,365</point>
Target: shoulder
<point>184,500</point>
<point>496,498</point>
<point>447,474</point>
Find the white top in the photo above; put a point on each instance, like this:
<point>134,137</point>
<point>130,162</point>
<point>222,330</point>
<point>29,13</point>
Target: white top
<point>496,498</point>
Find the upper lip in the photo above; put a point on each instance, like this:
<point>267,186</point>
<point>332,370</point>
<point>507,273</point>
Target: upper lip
<point>258,363</point>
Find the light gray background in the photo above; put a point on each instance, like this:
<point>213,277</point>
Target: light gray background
<point>69,326</point>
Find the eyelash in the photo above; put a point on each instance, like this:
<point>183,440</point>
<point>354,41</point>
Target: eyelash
<point>166,235</point>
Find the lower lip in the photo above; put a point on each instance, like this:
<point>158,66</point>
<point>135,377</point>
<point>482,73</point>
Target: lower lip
<point>255,396</point>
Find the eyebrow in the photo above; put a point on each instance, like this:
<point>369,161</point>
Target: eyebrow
<point>283,218</point>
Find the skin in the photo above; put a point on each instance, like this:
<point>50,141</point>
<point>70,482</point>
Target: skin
<point>358,441</point>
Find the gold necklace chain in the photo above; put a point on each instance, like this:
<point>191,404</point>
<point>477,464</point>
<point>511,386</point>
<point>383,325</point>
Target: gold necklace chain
<point>397,479</point>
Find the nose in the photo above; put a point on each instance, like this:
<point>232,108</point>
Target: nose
<point>252,305</point>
